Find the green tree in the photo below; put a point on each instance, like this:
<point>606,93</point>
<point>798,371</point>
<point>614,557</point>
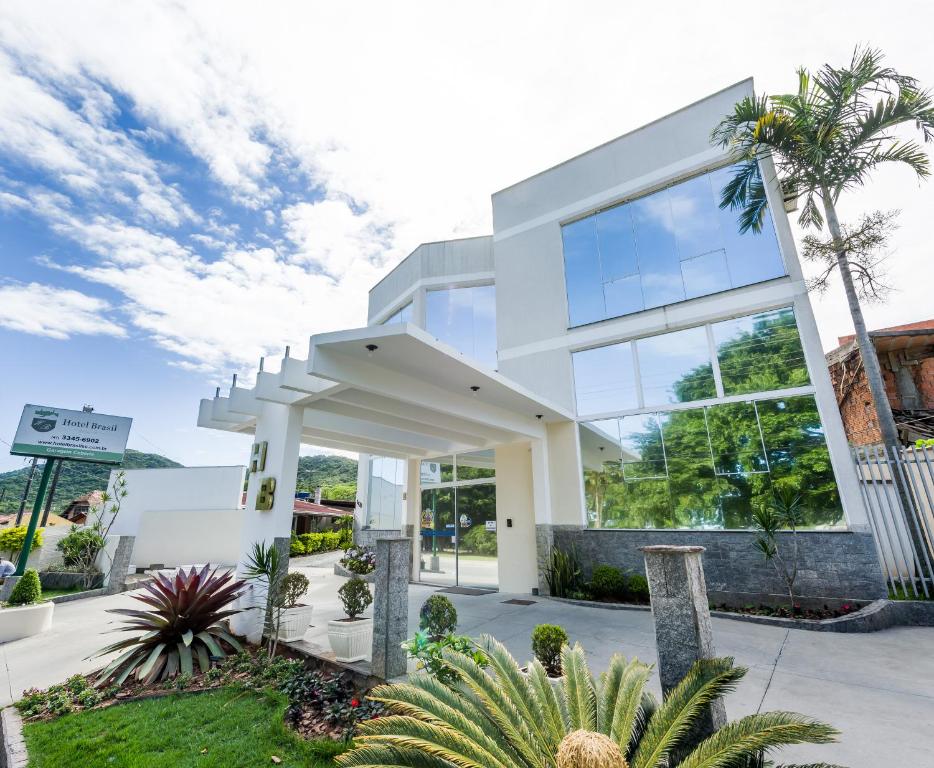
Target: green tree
<point>824,140</point>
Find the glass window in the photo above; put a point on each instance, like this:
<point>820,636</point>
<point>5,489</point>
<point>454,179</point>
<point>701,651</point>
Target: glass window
<point>676,367</point>
<point>476,465</point>
<point>403,315</point>
<point>604,379</point>
<point>385,505</point>
<point>582,275</point>
<point>760,352</point>
<point>671,245</point>
<point>465,318</point>
<point>707,467</point>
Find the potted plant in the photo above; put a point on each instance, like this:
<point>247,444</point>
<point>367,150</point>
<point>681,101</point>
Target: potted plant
<point>25,614</point>
<point>294,617</point>
<point>352,637</point>
<point>547,642</point>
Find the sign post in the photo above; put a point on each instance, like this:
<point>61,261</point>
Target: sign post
<point>34,520</point>
<point>59,433</point>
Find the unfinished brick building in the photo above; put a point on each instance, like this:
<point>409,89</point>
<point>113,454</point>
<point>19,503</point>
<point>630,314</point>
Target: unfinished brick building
<point>906,355</point>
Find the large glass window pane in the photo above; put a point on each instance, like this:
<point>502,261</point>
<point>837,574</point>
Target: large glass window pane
<point>752,256</point>
<point>583,279</point>
<point>600,456</point>
<point>616,242</point>
<point>694,213</point>
<point>604,379</point>
<point>437,560</point>
<point>659,264</point>
<point>735,441</point>
<point>477,465</point>
<point>705,274</point>
<point>404,315</point>
<point>440,470</point>
<point>465,318</point>
<point>623,296</point>
<point>676,367</point>
<point>642,449</point>
<point>384,497</point>
<point>476,535</point>
<point>798,457</point>
<point>760,352</point>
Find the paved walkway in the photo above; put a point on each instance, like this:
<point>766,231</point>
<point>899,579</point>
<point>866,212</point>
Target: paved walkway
<point>878,689</point>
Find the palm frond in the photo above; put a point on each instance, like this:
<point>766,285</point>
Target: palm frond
<point>754,734</point>
<point>708,680</point>
<point>579,689</point>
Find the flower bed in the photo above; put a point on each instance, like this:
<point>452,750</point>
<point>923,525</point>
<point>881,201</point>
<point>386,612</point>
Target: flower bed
<point>784,612</point>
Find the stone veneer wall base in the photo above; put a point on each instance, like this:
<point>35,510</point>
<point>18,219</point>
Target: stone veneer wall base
<point>832,564</point>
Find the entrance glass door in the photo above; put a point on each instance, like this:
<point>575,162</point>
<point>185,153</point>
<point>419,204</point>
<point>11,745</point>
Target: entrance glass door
<point>458,521</point>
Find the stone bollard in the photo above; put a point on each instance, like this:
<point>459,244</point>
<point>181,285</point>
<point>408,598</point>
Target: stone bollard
<point>391,606</point>
<point>682,617</point>
<point>119,567</point>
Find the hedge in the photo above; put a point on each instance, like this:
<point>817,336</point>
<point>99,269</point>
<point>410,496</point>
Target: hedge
<point>11,539</point>
<point>314,543</point>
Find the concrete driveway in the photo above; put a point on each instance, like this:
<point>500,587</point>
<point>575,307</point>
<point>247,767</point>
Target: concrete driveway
<point>877,689</point>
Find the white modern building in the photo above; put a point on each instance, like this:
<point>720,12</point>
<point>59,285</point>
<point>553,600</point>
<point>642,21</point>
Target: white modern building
<point>615,366</point>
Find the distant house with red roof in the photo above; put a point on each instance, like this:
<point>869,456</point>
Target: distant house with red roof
<point>312,516</point>
<point>78,509</point>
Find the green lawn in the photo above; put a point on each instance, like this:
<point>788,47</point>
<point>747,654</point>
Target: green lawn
<point>224,729</point>
<point>48,594</point>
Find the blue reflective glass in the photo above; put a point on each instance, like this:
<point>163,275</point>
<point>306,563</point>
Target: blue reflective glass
<point>465,318</point>
<point>663,248</point>
<point>403,315</point>
<point>705,274</point>
<point>676,367</point>
<point>582,274</point>
<point>659,264</point>
<point>604,379</point>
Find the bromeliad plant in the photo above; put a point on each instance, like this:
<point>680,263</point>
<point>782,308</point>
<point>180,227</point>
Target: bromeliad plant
<point>501,719</point>
<point>182,624</point>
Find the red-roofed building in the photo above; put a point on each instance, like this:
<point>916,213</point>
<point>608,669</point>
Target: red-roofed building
<point>77,510</point>
<point>313,516</point>
<point>906,356</point>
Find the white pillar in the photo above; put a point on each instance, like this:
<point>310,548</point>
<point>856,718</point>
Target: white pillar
<point>515,519</point>
<point>280,426</point>
<point>412,524</point>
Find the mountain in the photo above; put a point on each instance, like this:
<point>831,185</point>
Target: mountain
<point>76,479</point>
<point>325,470</point>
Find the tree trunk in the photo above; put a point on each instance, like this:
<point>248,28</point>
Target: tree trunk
<point>880,400</point>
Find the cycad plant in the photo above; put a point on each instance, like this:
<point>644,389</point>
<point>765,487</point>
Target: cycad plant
<point>183,625</point>
<point>500,718</point>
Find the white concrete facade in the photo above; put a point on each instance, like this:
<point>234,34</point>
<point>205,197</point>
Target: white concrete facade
<point>394,390</point>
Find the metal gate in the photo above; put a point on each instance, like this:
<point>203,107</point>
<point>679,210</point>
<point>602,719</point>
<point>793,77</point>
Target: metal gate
<point>902,522</point>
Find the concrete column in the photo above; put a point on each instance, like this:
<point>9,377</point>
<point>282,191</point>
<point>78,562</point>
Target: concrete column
<point>413,512</point>
<point>682,618</point>
<point>515,519</point>
<point>390,606</point>
<point>280,426</point>
<point>119,567</point>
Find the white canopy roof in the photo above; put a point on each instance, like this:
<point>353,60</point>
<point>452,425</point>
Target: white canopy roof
<point>391,390</point>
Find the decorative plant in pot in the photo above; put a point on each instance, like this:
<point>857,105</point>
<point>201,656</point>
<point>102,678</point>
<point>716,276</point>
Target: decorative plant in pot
<point>294,617</point>
<point>352,637</point>
<point>547,642</point>
<point>25,614</point>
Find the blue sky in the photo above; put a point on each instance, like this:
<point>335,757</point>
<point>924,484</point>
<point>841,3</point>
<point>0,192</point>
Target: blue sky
<point>186,189</point>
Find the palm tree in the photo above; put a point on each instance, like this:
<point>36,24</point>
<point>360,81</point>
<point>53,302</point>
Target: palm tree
<point>825,140</point>
<point>503,719</point>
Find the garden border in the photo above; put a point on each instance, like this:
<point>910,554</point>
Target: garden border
<point>13,754</point>
<point>340,570</point>
<point>878,615</point>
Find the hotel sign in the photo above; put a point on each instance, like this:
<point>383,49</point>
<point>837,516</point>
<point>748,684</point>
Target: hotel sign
<point>75,435</point>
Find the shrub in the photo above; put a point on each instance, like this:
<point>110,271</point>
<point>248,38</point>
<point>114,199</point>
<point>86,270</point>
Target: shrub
<point>438,617</point>
<point>12,539</point>
<point>182,623</point>
<point>360,560</point>
<point>293,588</point>
<point>547,641</point>
<point>356,597</point>
<point>28,590</point>
<point>637,588</point>
<point>320,542</point>
<point>608,581</point>
<point>296,547</point>
<point>79,546</point>
<point>332,697</point>
<point>479,541</point>
<point>428,654</point>
<point>76,692</point>
<point>563,573</point>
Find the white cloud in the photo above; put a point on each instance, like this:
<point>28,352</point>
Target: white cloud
<point>58,313</point>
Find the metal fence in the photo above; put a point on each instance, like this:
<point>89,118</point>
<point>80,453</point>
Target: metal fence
<point>898,488</point>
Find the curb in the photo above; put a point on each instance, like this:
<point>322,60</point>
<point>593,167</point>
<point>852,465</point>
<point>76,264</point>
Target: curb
<point>13,754</point>
<point>878,615</point>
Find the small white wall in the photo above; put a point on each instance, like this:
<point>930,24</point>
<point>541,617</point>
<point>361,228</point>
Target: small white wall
<point>518,569</point>
<point>182,515</point>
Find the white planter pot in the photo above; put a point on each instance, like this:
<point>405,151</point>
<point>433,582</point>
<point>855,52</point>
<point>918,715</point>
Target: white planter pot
<point>294,623</point>
<point>351,640</point>
<point>17,622</point>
